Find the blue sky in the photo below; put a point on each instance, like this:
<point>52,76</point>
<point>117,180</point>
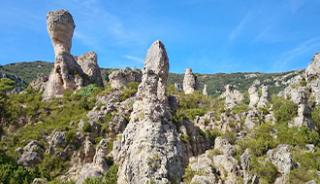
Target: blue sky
<point>209,36</point>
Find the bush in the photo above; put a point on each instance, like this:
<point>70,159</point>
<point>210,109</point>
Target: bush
<point>129,91</point>
<point>12,173</point>
<point>266,171</point>
<point>259,141</point>
<point>284,110</point>
<point>315,114</point>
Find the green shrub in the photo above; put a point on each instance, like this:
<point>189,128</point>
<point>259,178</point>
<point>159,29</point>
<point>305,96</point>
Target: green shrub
<point>86,127</point>
<point>12,173</point>
<point>52,166</point>
<point>129,91</point>
<point>260,140</point>
<point>110,177</point>
<point>315,114</point>
<point>265,170</point>
<point>89,90</point>
<point>284,110</point>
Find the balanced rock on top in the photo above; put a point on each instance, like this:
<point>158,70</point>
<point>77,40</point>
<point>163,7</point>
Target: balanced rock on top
<point>69,72</point>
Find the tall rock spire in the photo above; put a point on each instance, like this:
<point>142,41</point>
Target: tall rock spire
<point>150,150</point>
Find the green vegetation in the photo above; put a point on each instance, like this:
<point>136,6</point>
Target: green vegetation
<point>129,91</point>
<point>284,110</point>
<point>110,177</point>
<point>12,173</point>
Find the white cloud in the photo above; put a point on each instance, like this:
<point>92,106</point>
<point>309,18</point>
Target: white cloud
<point>134,58</point>
<point>283,61</point>
<point>239,28</point>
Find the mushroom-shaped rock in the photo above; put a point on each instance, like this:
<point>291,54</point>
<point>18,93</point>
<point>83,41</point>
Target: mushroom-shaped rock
<point>69,72</point>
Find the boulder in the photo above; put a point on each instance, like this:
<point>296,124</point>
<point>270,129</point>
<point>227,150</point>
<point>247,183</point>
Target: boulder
<point>281,157</point>
<point>32,154</point>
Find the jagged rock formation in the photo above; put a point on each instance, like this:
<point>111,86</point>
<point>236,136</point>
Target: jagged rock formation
<point>32,154</point>
<point>232,97</point>
<point>122,77</point>
<point>189,82</point>
<point>264,98</point>
<point>99,164</point>
<point>254,94</point>
<point>300,95</point>
<point>69,73</point>
<point>205,91</point>
<point>40,83</point>
<point>281,157</point>
<point>150,150</point>
<point>219,160</point>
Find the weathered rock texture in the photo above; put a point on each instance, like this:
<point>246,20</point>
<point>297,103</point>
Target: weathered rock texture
<point>69,72</point>
<point>232,97</point>
<point>189,82</point>
<point>32,154</point>
<point>264,98</point>
<point>205,91</point>
<point>122,77</point>
<point>150,150</point>
<point>217,165</point>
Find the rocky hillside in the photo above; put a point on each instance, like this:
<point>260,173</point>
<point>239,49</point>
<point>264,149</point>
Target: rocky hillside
<point>30,71</point>
<point>151,127</point>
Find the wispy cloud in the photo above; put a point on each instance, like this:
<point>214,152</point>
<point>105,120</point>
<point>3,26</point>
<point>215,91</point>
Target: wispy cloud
<point>134,58</point>
<point>239,28</point>
<point>285,59</point>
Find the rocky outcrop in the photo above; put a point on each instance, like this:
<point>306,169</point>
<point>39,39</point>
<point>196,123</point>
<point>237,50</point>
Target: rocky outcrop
<point>264,98</point>
<point>150,150</point>
<point>32,154</point>
<point>281,157</point>
<point>69,72</point>
<point>98,166</point>
<point>189,82</point>
<point>122,77</point>
<point>254,94</point>
<point>39,83</point>
<point>217,165</point>
<point>232,97</point>
<point>205,91</point>
<point>313,70</point>
<point>89,64</point>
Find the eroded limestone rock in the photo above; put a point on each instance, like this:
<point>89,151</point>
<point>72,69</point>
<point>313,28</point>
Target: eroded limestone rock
<point>150,150</point>
<point>232,97</point>
<point>32,154</point>
<point>205,91</point>
<point>69,72</point>
<point>122,77</point>
<point>189,82</point>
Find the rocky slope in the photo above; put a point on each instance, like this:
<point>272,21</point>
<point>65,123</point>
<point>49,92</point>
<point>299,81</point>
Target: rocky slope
<point>140,128</point>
